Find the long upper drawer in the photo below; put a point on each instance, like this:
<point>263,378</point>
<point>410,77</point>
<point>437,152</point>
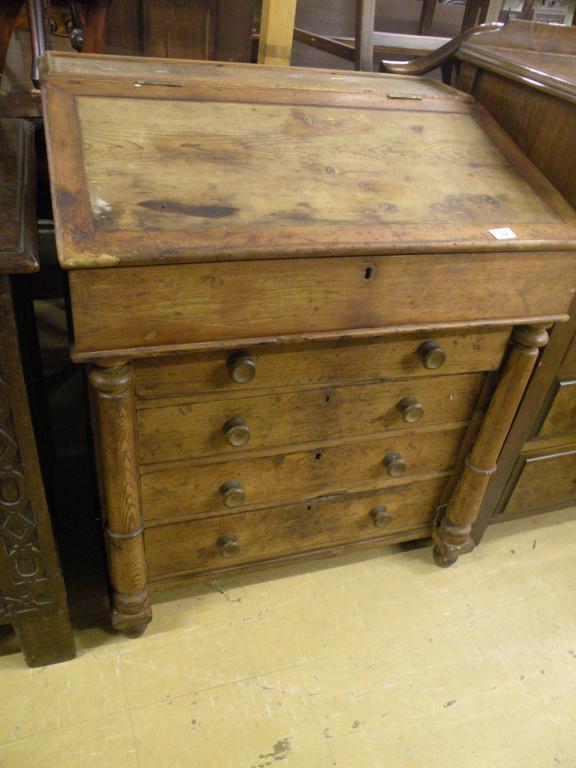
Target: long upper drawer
<point>345,361</point>
<point>143,308</point>
<point>225,542</point>
<point>170,431</point>
<point>207,487</point>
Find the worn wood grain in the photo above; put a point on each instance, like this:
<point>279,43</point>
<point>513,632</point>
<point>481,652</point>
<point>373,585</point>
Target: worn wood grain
<point>192,490</point>
<point>345,186</point>
<point>185,429</point>
<point>225,301</point>
<point>301,366</point>
<point>193,546</point>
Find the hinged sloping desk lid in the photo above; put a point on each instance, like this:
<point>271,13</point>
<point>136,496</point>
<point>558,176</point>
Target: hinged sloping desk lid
<point>157,161</point>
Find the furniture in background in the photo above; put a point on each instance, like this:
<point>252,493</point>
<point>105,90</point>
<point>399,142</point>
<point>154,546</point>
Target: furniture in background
<point>196,29</point>
<point>524,74</point>
<point>32,596</point>
<point>368,43</point>
<point>274,376</point>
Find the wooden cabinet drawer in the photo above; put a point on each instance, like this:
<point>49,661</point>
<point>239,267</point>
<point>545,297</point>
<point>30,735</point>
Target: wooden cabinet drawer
<point>194,489</point>
<point>346,361</point>
<point>543,481</point>
<point>307,526</point>
<point>560,418</point>
<point>145,308</point>
<point>179,430</point>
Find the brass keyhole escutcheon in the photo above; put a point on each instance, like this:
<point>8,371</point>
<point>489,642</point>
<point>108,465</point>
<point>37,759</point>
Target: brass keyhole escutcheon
<point>241,367</point>
<point>395,464</point>
<point>410,409</point>
<point>236,432</point>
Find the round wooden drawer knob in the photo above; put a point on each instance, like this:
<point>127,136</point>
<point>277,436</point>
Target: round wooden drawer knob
<point>432,355</point>
<point>410,409</point>
<point>395,464</point>
<point>236,432</point>
<point>380,515</point>
<point>241,367</point>
<point>232,493</point>
<point>228,545</point>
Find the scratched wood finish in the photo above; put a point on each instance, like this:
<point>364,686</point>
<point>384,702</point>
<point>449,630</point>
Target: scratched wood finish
<point>226,301</point>
<point>207,208</point>
<point>170,431</point>
<point>191,489</point>
<point>342,170</point>
<point>193,546</point>
<point>345,361</point>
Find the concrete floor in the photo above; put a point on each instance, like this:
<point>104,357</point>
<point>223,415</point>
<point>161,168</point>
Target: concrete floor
<point>375,660</point>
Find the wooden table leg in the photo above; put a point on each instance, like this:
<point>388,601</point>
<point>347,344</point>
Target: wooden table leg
<point>95,26</point>
<point>276,32</point>
<point>115,413</point>
<point>453,537</point>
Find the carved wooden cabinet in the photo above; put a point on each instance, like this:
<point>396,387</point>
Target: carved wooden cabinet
<point>310,301</point>
<point>32,597</point>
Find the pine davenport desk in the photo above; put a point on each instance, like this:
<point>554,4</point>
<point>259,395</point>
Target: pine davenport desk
<point>310,302</point>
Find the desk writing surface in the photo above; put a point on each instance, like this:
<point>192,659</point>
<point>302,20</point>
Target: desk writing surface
<point>181,169</point>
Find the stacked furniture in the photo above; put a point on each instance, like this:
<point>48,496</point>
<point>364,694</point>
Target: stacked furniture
<point>310,303</point>
<point>32,596</point>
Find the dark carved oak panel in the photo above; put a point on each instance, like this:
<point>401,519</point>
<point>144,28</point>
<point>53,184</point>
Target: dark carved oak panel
<point>25,587</point>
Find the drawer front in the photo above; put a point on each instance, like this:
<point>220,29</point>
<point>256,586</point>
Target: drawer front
<point>187,430</point>
<point>149,307</point>
<point>312,365</point>
<point>224,542</point>
<point>200,489</point>
<point>561,416</point>
<point>544,481</point>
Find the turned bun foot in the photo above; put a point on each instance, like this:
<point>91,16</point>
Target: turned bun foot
<point>134,632</point>
<point>442,560</point>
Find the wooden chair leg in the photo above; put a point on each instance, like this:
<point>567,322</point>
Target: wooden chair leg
<point>9,10</point>
<point>365,18</point>
<point>427,16</point>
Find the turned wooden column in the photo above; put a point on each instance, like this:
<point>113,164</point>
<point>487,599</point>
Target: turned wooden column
<point>453,536</point>
<point>114,411</point>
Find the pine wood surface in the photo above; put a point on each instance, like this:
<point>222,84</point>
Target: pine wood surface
<point>168,431</point>
<point>301,366</point>
<point>185,489</point>
<point>242,300</point>
<point>264,535</point>
<point>339,167</point>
